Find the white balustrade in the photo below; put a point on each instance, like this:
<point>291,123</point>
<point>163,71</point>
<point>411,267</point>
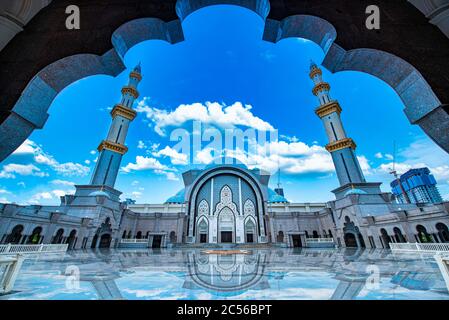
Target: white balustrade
<point>320,240</point>
<point>420,247</point>
<point>8,249</point>
<point>134,241</point>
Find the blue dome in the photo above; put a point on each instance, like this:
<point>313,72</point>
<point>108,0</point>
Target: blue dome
<point>177,198</point>
<point>273,197</point>
<point>354,191</point>
<point>99,194</point>
<point>220,161</point>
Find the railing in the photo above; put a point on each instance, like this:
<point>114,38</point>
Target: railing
<point>324,240</point>
<point>134,241</point>
<point>8,249</point>
<point>9,270</point>
<point>420,247</point>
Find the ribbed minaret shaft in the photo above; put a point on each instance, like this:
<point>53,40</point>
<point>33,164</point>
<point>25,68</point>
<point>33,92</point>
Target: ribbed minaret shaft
<point>113,147</point>
<point>340,146</point>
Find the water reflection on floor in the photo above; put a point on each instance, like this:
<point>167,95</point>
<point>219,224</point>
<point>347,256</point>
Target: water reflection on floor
<point>257,274</point>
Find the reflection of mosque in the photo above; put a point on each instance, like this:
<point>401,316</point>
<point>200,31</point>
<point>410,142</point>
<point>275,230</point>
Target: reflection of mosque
<point>226,274</point>
<point>250,272</point>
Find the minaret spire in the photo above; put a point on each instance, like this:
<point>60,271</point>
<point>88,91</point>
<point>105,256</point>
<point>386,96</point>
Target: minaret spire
<point>113,147</point>
<point>340,146</point>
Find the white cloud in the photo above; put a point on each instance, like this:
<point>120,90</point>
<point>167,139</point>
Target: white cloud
<point>175,157</point>
<point>28,147</point>
<point>4,200</point>
<point>87,162</point>
<point>144,163</point>
<point>93,152</point>
<point>136,194</point>
<point>41,157</point>
<point>35,199</point>
<point>59,193</point>
<point>65,169</point>
<point>211,113</point>
<point>141,145</point>
<point>135,183</point>
<point>63,183</point>
<point>4,191</point>
<point>379,155</point>
<point>364,165</point>
<point>10,170</point>
<point>168,174</point>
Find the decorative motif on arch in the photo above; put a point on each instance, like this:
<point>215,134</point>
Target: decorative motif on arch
<point>203,208</point>
<point>226,201</point>
<point>249,208</point>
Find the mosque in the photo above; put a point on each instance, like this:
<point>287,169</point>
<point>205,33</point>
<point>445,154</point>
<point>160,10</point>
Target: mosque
<point>226,203</point>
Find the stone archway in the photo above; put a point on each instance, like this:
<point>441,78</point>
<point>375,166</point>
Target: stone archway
<point>385,238</point>
<point>15,236</point>
<point>226,226</point>
<point>105,241</point>
<point>44,73</point>
<point>443,232</point>
<point>350,240</point>
<point>59,236</point>
<point>352,236</point>
<point>36,236</point>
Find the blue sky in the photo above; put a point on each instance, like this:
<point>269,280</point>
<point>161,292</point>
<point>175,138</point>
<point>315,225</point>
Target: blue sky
<point>222,65</point>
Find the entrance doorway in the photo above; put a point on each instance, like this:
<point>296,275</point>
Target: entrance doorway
<point>105,241</point>
<point>203,238</point>
<point>350,240</point>
<point>249,238</point>
<point>296,239</point>
<point>157,242</point>
<point>226,236</point>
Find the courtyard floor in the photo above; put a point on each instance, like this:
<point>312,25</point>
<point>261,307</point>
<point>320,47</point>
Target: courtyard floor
<point>247,274</point>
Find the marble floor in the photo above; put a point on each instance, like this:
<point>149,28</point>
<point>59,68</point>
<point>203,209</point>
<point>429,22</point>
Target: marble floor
<point>251,274</point>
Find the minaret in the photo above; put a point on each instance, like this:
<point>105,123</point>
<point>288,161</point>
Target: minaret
<point>340,146</point>
<point>113,147</point>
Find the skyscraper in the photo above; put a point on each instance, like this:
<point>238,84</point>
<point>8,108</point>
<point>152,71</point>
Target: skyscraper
<point>419,185</point>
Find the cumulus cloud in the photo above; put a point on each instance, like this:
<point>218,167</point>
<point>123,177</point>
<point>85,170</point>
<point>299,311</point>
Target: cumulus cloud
<point>176,157</point>
<point>212,113</point>
<point>41,157</point>
<point>144,163</point>
<point>141,145</point>
<point>63,183</point>
<point>28,147</point>
<point>36,198</point>
<point>10,170</point>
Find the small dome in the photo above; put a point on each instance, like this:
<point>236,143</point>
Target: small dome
<point>99,194</point>
<point>273,197</point>
<point>177,198</point>
<point>354,191</point>
<point>138,68</point>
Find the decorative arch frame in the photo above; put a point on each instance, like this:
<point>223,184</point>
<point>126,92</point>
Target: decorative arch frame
<point>422,105</point>
<point>201,219</point>
<point>192,194</point>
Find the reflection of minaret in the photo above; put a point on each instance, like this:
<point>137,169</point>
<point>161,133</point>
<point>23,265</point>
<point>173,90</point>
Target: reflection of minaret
<point>340,146</point>
<point>279,190</point>
<point>113,148</point>
<point>106,289</point>
<point>348,288</point>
